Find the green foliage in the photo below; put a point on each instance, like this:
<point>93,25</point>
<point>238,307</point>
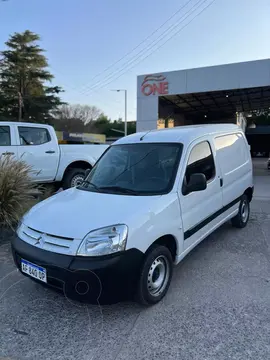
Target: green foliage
<point>107,127</point>
<point>259,118</point>
<point>24,93</point>
<point>262,120</point>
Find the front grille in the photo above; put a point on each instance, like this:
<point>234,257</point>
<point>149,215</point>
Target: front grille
<point>49,242</point>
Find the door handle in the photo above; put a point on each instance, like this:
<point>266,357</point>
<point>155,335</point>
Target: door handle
<point>50,152</point>
<point>221,182</point>
<point>8,153</point>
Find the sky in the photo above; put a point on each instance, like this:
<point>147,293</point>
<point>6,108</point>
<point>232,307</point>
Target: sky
<point>96,46</point>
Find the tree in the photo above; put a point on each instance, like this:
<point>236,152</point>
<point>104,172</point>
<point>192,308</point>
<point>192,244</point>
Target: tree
<point>23,75</point>
<point>75,118</point>
<point>85,113</point>
<point>259,118</point>
<point>107,127</point>
<point>88,119</point>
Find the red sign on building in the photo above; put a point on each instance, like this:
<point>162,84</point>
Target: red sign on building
<point>154,85</point>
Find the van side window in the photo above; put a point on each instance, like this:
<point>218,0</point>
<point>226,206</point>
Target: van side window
<point>33,135</point>
<point>5,136</point>
<point>227,146</point>
<point>201,160</point>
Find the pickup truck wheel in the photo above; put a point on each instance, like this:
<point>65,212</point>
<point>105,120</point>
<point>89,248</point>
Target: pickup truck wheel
<point>155,277</point>
<point>73,177</point>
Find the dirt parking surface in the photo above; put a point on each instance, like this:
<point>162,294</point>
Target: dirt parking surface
<point>217,307</point>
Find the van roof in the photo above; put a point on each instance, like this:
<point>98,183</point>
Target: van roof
<point>182,134</point>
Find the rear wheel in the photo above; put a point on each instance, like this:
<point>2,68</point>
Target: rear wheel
<point>241,219</point>
<point>73,177</point>
<point>155,276</point>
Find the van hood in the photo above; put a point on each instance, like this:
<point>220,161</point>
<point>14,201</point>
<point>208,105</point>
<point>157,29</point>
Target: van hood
<point>74,213</point>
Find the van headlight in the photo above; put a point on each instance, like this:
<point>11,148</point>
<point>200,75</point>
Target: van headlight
<point>104,241</point>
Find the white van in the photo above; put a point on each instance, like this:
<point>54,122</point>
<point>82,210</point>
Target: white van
<point>149,200</point>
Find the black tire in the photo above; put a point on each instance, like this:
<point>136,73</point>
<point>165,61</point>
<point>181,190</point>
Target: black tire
<point>71,175</point>
<point>158,258</point>
<point>241,219</point>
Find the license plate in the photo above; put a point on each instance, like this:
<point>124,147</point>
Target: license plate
<point>34,270</point>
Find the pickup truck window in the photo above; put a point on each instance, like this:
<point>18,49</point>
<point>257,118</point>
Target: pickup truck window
<point>136,169</point>
<point>5,136</point>
<point>33,135</point>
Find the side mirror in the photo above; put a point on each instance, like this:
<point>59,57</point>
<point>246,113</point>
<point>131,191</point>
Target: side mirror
<point>197,182</point>
<point>87,172</point>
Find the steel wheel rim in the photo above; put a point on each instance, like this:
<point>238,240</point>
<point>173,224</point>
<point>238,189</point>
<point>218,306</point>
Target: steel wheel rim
<point>158,276</point>
<point>244,211</point>
<point>77,180</point>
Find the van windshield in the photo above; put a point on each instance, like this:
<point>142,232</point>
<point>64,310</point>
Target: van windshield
<point>135,169</point>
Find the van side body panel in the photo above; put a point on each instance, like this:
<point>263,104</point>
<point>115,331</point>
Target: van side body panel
<point>234,175</point>
<point>234,159</point>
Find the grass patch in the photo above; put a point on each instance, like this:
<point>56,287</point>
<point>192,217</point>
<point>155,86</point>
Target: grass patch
<point>17,190</point>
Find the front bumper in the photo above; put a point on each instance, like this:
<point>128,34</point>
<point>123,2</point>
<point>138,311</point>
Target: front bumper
<point>100,279</point>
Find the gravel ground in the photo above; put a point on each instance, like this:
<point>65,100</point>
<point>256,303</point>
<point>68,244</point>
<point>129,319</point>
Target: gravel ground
<point>216,309</point>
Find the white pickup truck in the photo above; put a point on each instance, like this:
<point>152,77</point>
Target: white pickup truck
<point>38,146</point>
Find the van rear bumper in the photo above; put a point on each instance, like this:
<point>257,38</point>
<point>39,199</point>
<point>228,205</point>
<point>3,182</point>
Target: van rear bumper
<point>98,279</point>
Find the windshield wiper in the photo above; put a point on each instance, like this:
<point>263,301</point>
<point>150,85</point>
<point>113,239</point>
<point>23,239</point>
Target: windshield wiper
<point>118,189</point>
<point>90,183</point>
<point>110,188</point>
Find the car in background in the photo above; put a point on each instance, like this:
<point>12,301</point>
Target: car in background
<point>37,145</point>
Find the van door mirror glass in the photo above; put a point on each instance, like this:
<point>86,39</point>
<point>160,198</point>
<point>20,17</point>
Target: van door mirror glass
<point>197,182</point>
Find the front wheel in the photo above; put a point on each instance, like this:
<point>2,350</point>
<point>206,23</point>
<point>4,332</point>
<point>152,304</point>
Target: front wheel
<point>155,276</point>
<point>241,219</point>
<point>73,177</point>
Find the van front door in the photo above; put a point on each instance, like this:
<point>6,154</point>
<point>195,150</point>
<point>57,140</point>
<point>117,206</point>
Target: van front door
<point>200,209</point>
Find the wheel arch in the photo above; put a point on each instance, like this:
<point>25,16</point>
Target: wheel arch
<point>249,192</point>
<point>80,164</point>
<point>169,241</point>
